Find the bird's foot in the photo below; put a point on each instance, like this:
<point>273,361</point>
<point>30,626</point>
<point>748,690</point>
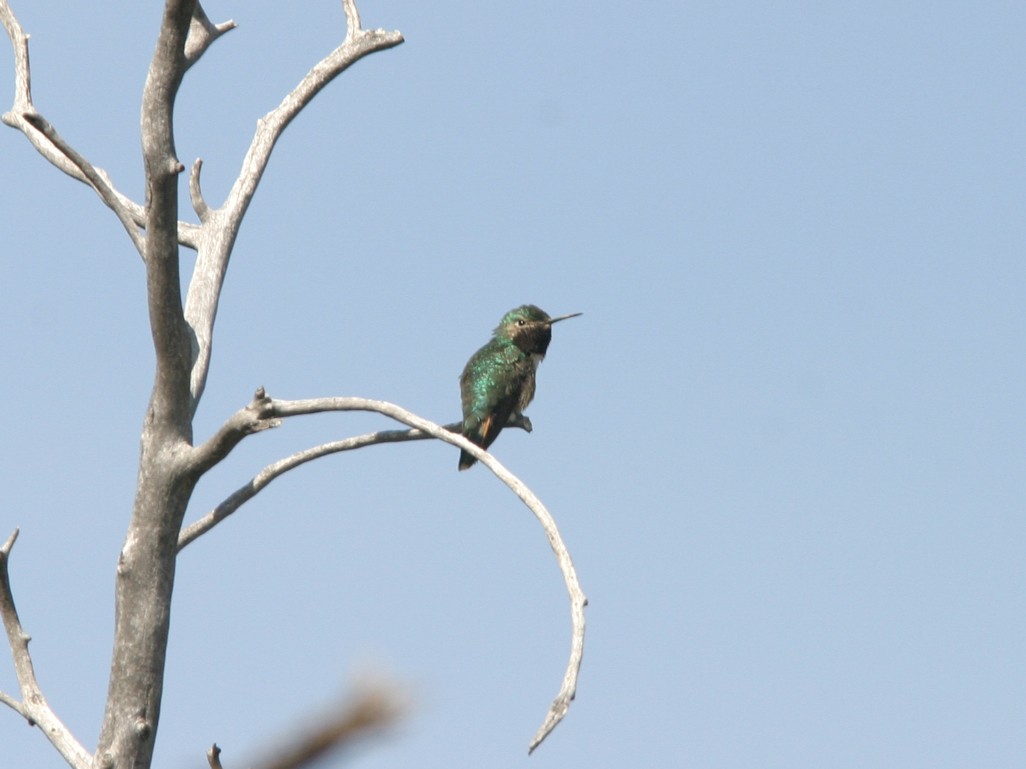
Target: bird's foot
<point>521,421</point>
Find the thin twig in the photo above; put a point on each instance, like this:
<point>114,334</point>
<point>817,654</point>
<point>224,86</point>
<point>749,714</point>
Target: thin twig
<point>22,71</point>
<point>199,205</point>
<point>214,757</point>
<point>14,705</point>
<point>33,706</point>
<point>352,18</point>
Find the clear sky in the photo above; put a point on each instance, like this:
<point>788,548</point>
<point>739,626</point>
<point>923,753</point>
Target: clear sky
<point>785,442</point>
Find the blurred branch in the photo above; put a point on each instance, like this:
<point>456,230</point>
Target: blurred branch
<point>33,706</point>
<point>214,757</point>
<point>369,711</point>
<point>421,428</point>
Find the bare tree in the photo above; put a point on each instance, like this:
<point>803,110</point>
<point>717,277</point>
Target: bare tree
<point>171,459</point>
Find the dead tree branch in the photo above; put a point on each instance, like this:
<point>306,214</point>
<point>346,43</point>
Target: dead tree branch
<point>285,409</point>
<point>276,469</point>
<point>220,227</point>
<point>33,706</point>
<point>146,565</point>
<point>202,34</point>
<point>259,415</point>
<point>24,116</point>
<point>254,417</point>
<point>94,177</point>
<point>45,138</point>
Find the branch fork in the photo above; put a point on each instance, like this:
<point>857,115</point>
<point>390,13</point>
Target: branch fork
<point>256,416</point>
<point>202,34</point>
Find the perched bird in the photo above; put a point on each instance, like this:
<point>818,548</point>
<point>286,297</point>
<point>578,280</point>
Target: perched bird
<point>498,381</point>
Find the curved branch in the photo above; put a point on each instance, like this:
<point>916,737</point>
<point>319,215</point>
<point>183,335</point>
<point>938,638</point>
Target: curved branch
<point>199,205</point>
<point>421,428</point>
<point>260,415</point>
<point>222,226</point>
<point>357,44</point>
<point>33,706</point>
<point>261,480</point>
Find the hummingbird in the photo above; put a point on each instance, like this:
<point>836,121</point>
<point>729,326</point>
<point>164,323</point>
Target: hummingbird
<point>498,381</point>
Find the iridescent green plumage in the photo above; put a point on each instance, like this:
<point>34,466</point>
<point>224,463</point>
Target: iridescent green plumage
<point>499,379</point>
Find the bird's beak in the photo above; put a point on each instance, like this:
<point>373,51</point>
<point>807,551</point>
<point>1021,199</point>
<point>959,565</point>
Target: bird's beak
<point>564,317</point>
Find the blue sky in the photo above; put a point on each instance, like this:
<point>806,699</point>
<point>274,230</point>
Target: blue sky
<point>784,443</point>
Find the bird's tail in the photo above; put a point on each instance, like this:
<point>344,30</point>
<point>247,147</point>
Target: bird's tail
<point>478,435</point>
<point>466,460</point>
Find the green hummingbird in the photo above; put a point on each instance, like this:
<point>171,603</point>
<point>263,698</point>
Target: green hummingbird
<point>498,381</point>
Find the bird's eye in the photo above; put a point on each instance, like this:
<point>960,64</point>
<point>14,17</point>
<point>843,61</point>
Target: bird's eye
<point>521,322</point>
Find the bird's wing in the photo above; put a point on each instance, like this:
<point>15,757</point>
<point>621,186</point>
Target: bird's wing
<point>488,397</point>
